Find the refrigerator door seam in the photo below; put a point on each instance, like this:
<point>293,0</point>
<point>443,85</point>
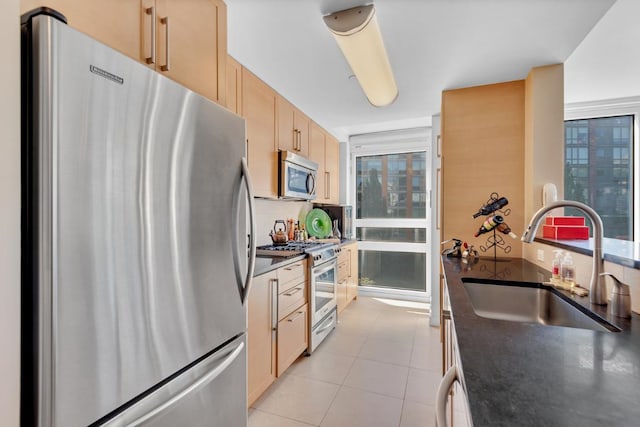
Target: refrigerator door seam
<point>195,386</point>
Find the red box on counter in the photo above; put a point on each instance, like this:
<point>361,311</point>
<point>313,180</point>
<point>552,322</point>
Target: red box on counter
<point>564,220</point>
<point>565,232</point>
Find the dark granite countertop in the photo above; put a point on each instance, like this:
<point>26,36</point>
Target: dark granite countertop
<point>621,252</point>
<point>521,374</point>
<point>267,264</point>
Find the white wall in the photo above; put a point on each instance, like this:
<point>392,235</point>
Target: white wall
<point>10,213</point>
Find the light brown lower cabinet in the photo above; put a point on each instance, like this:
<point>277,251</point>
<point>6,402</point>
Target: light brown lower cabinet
<point>293,337</point>
<point>261,335</point>
<point>277,331</point>
<point>347,281</point>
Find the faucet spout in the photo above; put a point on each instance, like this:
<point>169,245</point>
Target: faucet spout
<point>597,287</point>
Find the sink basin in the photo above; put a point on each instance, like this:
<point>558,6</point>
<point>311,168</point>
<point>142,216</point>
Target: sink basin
<point>528,303</point>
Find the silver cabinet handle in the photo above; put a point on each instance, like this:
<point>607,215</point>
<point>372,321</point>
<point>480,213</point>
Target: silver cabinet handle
<point>327,183</point>
<point>167,63</point>
<point>274,304</point>
<point>297,316</point>
<point>293,267</point>
<point>441,398</point>
<point>195,386</point>
<point>292,293</point>
<point>151,59</point>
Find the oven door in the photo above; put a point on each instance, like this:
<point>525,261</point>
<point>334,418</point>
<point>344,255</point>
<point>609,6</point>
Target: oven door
<point>323,289</point>
<point>297,181</point>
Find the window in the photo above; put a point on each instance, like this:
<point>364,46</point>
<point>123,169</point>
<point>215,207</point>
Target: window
<point>391,209</point>
<point>389,175</point>
<point>599,170</point>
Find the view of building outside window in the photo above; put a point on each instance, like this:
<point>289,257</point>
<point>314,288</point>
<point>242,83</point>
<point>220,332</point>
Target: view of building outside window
<point>599,170</point>
<point>391,187</point>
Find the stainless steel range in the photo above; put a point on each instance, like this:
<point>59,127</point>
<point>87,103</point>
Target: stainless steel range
<point>323,274</point>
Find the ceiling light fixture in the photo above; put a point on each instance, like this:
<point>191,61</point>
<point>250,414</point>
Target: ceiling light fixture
<point>357,33</point>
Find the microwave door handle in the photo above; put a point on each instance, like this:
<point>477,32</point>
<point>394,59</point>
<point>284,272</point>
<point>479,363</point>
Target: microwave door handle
<point>311,178</point>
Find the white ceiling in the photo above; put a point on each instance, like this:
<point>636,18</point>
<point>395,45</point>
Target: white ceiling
<point>606,65</point>
<point>432,45</point>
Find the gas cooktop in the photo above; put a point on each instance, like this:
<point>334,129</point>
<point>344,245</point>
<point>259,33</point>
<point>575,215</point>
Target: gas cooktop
<point>290,249</point>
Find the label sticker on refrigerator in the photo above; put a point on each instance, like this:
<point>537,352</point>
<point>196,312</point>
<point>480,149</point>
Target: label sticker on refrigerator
<point>106,74</point>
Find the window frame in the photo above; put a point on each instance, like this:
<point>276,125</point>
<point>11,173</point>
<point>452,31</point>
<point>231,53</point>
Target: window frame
<point>611,108</point>
<point>385,143</point>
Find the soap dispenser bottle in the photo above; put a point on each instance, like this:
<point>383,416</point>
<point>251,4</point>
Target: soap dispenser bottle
<point>556,266</point>
<point>568,271</point>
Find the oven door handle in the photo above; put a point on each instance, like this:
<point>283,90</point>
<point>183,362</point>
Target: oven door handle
<point>325,266</point>
<point>328,323</point>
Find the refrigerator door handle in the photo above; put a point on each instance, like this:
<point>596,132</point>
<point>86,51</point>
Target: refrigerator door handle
<point>245,285</point>
<point>194,387</point>
<point>449,378</point>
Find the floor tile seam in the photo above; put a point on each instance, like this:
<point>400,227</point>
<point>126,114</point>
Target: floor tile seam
<point>331,404</point>
<point>385,363</point>
<point>287,418</point>
<point>382,361</point>
<point>371,391</point>
<point>319,380</point>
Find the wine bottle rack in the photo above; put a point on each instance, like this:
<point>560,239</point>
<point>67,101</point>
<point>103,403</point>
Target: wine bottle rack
<point>494,241</point>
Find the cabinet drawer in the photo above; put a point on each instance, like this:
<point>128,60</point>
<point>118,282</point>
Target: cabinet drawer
<point>295,272</point>
<point>293,338</point>
<point>292,298</point>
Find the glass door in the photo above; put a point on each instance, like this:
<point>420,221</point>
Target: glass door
<point>391,211</point>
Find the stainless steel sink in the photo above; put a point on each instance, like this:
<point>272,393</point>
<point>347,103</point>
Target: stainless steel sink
<point>519,302</point>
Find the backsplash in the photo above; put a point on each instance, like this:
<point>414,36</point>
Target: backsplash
<point>267,211</point>
<point>584,263</point>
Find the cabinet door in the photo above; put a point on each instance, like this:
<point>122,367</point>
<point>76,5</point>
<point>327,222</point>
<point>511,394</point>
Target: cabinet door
<point>259,110</point>
<point>332,168</point>
<point>191,45</point>
<point>293,337</point>
<point>352,283</point>
<point>261,340</point>
<point>287,135</point>
<point>301,127</point>
<point>116,23</point>
<point>234,85</point>
<point>316,153</point>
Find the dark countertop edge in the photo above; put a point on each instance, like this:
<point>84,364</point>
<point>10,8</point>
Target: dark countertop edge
<point>610,253</point>
<point>501,360</point>
<point>267,264</point>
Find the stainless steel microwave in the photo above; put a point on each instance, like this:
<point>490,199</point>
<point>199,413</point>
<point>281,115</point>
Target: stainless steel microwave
<point>297,177</point>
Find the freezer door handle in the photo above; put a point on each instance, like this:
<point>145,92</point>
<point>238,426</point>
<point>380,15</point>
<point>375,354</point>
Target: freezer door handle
<point>194,387</point>
<point>244,285</point>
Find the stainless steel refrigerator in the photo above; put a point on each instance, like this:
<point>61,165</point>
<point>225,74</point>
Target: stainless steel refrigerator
<point>137,250</point>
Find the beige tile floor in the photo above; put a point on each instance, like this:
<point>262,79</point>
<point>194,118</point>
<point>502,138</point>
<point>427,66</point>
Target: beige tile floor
<point>380,367</point>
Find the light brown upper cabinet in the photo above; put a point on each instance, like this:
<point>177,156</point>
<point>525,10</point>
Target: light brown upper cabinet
<point>116,23</point>
<point>325,150</point>
<point>316,153</point>
<point>332,169</point>
<point>259,110</point>
<point>186,40</point>
<point>293,128</point>
<point>234,85</point>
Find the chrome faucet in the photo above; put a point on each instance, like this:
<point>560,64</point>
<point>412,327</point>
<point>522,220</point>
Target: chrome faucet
<point>597,287</point>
